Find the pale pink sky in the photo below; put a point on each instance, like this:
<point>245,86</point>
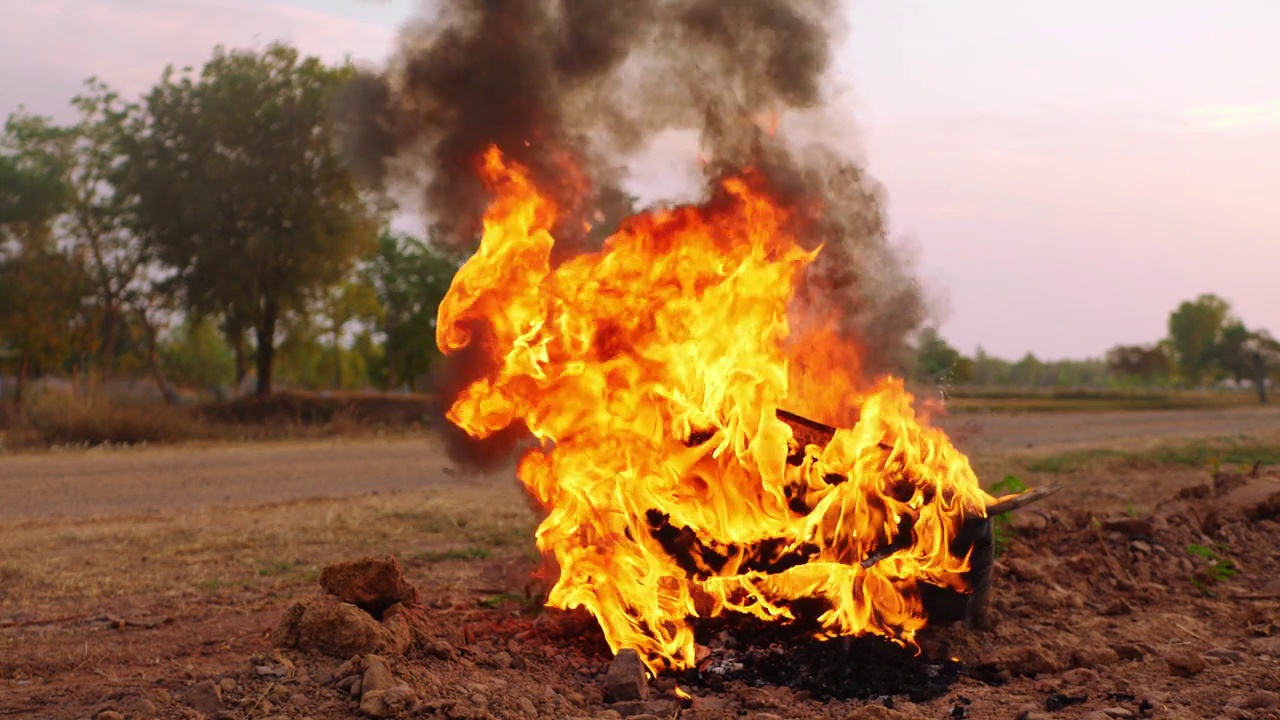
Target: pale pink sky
<point>1069,171</point>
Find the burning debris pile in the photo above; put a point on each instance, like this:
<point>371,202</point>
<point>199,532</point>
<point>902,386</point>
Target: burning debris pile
<point>666,368</point>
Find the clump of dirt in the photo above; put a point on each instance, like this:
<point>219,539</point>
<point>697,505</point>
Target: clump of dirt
<point>367,607</point>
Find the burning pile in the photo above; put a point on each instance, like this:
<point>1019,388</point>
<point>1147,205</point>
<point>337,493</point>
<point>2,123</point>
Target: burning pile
<point>653,373</point>
<point>659,365</point>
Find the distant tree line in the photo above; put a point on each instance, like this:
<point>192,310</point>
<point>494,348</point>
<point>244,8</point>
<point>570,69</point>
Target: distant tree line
<point>208,234</point>
<point>1205,345</point>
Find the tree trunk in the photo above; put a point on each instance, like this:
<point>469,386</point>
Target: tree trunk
<point>153,361</point>
<point>110,333</point>
<point>1260,377</point>
<point>23,366</point>
<point>266,331</point>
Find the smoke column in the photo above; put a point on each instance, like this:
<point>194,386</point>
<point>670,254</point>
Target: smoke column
<point>572,88</point>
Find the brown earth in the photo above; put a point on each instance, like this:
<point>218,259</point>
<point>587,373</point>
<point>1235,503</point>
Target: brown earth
<point>130,578</point>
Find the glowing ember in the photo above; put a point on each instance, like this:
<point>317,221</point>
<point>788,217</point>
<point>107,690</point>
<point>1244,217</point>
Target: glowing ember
<point>651,372</point>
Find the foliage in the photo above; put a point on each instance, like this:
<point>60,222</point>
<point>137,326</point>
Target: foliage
<point>1195,331</point>
<point>1148,364</point>
<point>409,278</point>
<point>1220,567</point>
<point>1001,525</point>
<point>241,191</point>
<point>197,355</point>
<point>938,362</point>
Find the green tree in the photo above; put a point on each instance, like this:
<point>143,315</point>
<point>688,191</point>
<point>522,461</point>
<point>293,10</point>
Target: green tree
<point>1195,332</point>
<point>1146,363</point>
<point>339,306</point>
<point>242,193</point>
<point>41,285</point>
<point>195,354</point>
<point>936,361</point>
<point>409,277</point>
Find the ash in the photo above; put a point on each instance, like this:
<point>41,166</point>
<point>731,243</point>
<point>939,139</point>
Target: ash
<point>861,668</point>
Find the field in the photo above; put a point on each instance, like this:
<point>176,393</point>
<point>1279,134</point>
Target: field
<point>130,576</point>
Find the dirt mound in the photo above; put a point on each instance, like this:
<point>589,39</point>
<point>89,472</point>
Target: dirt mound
<point>367,607</point>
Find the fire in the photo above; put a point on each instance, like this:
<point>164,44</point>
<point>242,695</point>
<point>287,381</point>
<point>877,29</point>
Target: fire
<point>652,372</point>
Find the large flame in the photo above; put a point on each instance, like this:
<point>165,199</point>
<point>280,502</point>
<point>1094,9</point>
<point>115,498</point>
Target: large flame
<point>651,372</point>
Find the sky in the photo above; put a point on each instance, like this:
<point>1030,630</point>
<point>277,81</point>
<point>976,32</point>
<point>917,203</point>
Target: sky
<point>1065,173</point>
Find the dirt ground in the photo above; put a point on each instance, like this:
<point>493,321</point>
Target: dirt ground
<point>141,583</point>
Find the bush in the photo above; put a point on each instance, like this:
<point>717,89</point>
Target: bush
<point>102,423</point>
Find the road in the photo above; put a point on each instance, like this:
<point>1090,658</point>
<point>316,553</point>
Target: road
<point>150,480</point>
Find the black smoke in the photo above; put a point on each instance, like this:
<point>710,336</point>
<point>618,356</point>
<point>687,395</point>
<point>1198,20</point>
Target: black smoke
<point>571,88</point>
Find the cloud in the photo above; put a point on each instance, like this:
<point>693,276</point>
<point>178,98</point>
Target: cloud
<point>1260,117</point>
<point>48,47</point>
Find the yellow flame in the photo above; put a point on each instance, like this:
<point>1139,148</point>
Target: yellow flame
<point>651,372</point>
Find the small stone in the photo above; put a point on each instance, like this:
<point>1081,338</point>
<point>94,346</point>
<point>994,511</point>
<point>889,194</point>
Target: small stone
<point>227,685</point>
<point>1129,526</point>
<point>1261,700</point>
<point>659,708</point>
<point>627,678</point>
<point>1184,663</point>
<point>500,660</point>
<point>527,706</point>
<point>353,666</point>
<point>110,715</point>
<point>1117,712</point>
<point>1234,657</point>
<point>377,675</point>
<point>1093,657</point>
<point>1028,522</point>
<point>1139,546</point>
<point>1028,660</point>
<point>1117,607</point>
<point>298,700</point>
<point>875,712</point>
<point>1129,651</point>
<point>1035,715</point>
<point>205,697</point>
<point>1079,676</point>
<point>1095,715</point>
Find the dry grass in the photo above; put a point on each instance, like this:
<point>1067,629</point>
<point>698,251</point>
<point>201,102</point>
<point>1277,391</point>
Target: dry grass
<point>272,548</point>
<point>59,421</point>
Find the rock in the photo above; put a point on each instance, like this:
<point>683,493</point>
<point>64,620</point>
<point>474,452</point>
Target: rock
<point>500,660</point>
<point>1129,526</point>
<point>1035,715</point>
<point>632,709</point>
<point>394,701</point>
<point>627,679</point>
<point>1079,677</point>
<point>1261,700</point>
<point>377,675</point>
<point>527,706</point>
<point>354,666</point>
<point>1184,663</point>
<point>1117,607</point>
<point>205,697</point>
<point>875,712</point>
<point>1093,657</point>
<point>298,700</point>
<point>1117,712</point>
<point>330,627</point>
<point>110,715</point>
<point>1095,715</point>
<point>1227,655</point>
<point>372,584</point>
<point>227,685</point>
<point>1027,660</point>
<point>1028,522</point>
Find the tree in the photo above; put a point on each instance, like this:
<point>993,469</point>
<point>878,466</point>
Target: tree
<point>41,286</point>
<point>1195,331</point>
<point>937,361</point>
<point>242,193</point>
<point>410,277</point>
<point>1148,363</point>
<point>97,215</point>
<point>339,306</point>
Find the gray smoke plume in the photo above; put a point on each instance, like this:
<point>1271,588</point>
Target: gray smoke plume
<point>570,88</point>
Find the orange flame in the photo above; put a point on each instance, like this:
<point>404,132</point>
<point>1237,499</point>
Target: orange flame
<point>650,372</point>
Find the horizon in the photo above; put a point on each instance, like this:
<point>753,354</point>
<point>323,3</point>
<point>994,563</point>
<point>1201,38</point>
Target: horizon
<point>1066,175</point>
